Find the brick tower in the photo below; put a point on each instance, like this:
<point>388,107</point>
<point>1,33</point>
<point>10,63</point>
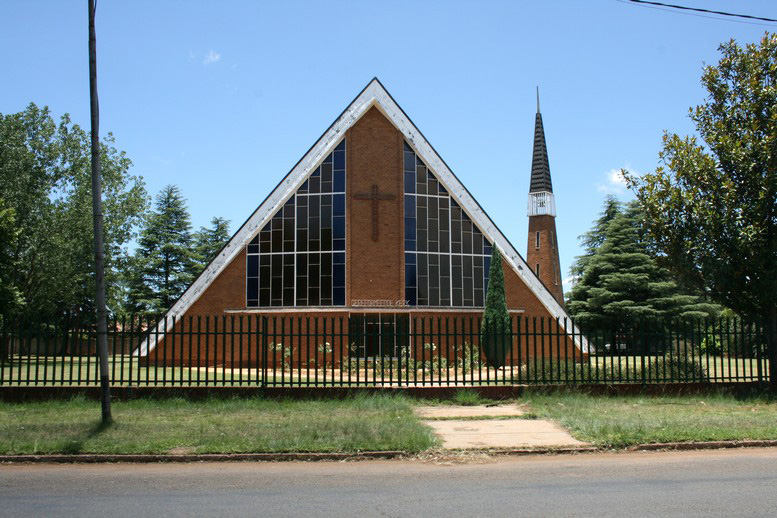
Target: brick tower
<point>542,253</point>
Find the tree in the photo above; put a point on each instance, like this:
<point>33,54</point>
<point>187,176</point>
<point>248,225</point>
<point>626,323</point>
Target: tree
<point>712,205</point>
<point>162,266</point>
<point>621,283</point>
<point>10,300</point>
<point>594,238</point>
<point>45,178</point>
<point>208,241</point>
<point>495,327</point>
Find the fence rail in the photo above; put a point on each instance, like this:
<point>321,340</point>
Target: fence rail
<point>380,350</point>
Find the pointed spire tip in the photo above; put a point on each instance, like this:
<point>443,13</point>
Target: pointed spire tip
<point>538,99</point>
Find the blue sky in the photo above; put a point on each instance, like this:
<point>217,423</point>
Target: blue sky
<point>222,98</point>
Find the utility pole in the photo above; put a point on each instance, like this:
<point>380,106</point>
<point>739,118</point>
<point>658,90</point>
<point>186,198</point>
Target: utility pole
<point>97,212</point>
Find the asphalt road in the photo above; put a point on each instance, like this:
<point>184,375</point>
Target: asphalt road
<point>718,483</point>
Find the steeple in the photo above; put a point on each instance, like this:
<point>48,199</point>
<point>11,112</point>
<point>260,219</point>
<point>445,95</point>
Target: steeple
<point>540,170</point>
<point>542,254</point>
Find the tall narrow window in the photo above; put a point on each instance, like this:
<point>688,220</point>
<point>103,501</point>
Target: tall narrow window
<point>537,241</point>
<point>537,269</point>
<point>447,258</point>
<point>298,257</point>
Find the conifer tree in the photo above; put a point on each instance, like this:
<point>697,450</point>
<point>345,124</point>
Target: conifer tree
<point>495,327</point>
<point>162,264</point>
<point>594,238</point>
<point>622,283</point>
<point>207,243</point>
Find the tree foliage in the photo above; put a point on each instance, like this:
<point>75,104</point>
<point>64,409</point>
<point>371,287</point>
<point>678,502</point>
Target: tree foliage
<point>45,179</point>
<point>495,326</point>
<point>621,282</point>
<point>208,241</point>
<point>711,206</point>
<point>162,266</point>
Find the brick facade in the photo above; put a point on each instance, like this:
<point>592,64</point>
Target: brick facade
<point>374,271</point>
<point>545,254</point>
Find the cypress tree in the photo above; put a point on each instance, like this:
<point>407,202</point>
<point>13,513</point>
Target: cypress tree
<point>163,263</point>
<point>495,337</point>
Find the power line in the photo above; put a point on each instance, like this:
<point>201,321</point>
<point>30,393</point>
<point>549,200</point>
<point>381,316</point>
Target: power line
<point>700,10</point>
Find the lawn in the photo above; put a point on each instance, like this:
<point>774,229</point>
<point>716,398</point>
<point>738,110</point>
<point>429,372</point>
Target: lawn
<point>616,422</point>
<point>363,423</point>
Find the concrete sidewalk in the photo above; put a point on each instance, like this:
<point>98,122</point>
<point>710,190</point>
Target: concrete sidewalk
<point>480,430</point>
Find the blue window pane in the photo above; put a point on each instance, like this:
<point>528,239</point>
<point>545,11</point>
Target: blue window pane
<point>339,160</point>
<point>253,249</point>
<point>410,228</point>
<point>410,275</point>
<point>409,182</point>
<point>338,244</point>
<point>252,268</point>
<point>338,296</point>
<point>338,258</point>
<point>410,296</point>
<point>410,207</point>
<point>409,161</point>
<point>487,248</point>
<point>409,245</point>
<point>339,204</point>
<point>410,259</point>
<point>338,275</point>
<point>252,288</point>
<point>338,227</point>
<point>341,146</point>
<point>339,181</point>
<point>304,188</point>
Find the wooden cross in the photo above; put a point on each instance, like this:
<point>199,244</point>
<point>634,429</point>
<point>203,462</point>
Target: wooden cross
<point>375,196</point>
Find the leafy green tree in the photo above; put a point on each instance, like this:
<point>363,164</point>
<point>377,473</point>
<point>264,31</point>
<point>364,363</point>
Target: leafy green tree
<point>712,205</point>
<point>621,283</point>
<point>162,266</point>
<point>495,327</point>
<point>45,178</point>
<point>208,241</point>
<point>10,300</point>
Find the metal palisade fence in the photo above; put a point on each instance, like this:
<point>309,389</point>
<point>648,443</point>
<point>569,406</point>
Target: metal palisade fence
<point>380,350</point>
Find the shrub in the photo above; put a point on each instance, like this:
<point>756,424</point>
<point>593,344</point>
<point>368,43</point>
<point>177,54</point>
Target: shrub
<point>673,367</point>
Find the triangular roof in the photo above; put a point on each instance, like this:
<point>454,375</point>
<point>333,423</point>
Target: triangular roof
<point>374,94</point>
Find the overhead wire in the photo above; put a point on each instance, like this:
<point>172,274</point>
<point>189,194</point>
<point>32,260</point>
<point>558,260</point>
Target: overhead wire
<point>695,10</point>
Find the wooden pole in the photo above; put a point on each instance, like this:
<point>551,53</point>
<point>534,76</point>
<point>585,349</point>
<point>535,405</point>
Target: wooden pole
<point>97,211</point>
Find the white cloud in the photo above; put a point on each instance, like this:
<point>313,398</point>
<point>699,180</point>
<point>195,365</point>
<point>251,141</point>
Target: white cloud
<point>211,57</point>
<point>614,182</point>
<point>191,54</point>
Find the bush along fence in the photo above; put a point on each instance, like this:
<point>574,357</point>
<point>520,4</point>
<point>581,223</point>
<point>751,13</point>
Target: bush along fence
<point>381,350</point>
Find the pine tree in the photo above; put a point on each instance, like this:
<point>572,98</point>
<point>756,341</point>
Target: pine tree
<point>162,265</point>
<point>208,241</point>
<point>594,238</point>
<point>495,326</point>
<point>622,283</point>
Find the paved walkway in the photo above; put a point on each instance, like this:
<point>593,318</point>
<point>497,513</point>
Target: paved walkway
<point>479,428</point>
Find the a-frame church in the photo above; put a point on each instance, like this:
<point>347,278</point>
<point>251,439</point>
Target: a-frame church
<point>371,229</point>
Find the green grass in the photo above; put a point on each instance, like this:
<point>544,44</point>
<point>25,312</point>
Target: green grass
<point>618,422</point>
<point>361,423</point>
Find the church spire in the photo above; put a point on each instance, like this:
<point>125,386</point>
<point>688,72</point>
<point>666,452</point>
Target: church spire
<point>542,253</point>
<point>540,170</point>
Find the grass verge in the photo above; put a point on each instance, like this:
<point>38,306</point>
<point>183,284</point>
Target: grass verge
<point>617,422</point>
<point>362,423</point>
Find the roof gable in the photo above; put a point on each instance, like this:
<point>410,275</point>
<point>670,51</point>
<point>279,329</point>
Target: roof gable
<point>374,94</point>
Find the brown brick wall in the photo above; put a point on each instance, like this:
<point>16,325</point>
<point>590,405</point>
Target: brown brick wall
<point>546,255</point>
<point>374,269</point>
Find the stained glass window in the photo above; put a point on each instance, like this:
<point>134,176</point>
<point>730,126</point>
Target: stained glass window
<point>446,256</point>
<point>298,257</point>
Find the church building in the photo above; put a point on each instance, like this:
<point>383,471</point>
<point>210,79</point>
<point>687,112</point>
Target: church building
<point>371,230</point>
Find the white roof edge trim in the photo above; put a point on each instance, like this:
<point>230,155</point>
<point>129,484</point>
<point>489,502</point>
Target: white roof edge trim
<point>372,95</point>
